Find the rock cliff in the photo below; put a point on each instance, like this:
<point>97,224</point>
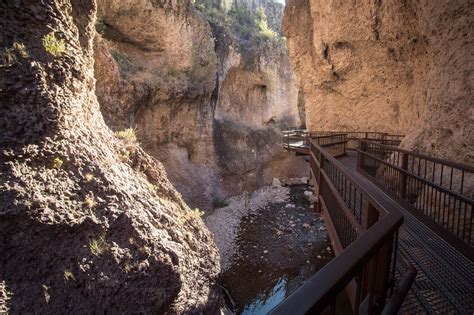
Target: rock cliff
<point>88,221</point>
<point>208,104</point>
<point>395,66</point>
<point>156,72</point>
<point>257,97</point>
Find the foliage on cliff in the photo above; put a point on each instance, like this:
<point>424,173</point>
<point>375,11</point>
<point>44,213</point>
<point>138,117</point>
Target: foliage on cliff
<point>246,24</point>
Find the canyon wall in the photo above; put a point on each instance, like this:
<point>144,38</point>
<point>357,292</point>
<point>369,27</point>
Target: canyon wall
<point>209,106</point>
<point>89,223</point>
<point>395,66</point>
<point>257,97</point>
<point>156,72</point>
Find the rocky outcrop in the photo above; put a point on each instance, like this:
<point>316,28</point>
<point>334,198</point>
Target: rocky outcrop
<point>156,72</point>
<point>257,98</point>
<point>395,66</point>
<point>208,105</point>
<point>88,223</point>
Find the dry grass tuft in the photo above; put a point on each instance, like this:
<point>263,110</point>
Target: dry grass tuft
<point>98,246</point>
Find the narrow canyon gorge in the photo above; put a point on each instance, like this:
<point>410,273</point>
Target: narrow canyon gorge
<point>141,156</point>
<point>206,96</point>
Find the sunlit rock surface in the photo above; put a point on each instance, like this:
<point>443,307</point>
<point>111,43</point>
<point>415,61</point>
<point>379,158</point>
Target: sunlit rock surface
<point>395,66</point>
<point>88,223</point>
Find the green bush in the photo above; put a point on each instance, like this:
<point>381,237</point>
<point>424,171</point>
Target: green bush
<point>126,64</point>
<point>54,46</point>
<point>122,60</point>
<point>57,162</point>
<point>100,25</point>
<point>128,135</point>
<point>264,29</point>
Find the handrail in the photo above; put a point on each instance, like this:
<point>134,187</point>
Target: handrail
<point>320,290</point>
<point>351,136</point>
<point>348,175</point>
<point>364,243</point>
<point>426,157</point>
<point>421,179</point>
<point>328,136</point>
<point>430,188</point>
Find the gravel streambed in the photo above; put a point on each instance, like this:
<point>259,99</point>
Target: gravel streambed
<point>270,243</point>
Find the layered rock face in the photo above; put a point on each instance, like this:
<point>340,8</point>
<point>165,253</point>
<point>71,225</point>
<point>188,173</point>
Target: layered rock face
<point>395,66</point>
<point>156,71</point>
<point>209,107</point>
<point>257,98</point>
<point>88,223</point>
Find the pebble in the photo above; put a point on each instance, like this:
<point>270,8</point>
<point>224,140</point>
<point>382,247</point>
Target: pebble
<point>265,251</point>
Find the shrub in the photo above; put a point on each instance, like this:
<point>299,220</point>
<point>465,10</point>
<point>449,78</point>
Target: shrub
<point>128,135</point>
<point>10,55</point>
<point>282,40</point>
<point>196,213</point>
<point>68,276</point>
<point>57,162</point>
<point>243,21</point>
<point>98,246</point>
<point>152,188</point>
<point>89,202</point>
<point>264,29</point>
<point>89,177</point>
<point>100,26</point>
<point>125,63</point>
<point>54,46</point>
<point>188,215</point>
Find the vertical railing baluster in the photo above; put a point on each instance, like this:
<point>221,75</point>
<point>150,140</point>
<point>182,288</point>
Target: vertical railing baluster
<point>403,179</point>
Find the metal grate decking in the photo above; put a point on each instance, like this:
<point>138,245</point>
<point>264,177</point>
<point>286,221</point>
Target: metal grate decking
<point>445,280</point>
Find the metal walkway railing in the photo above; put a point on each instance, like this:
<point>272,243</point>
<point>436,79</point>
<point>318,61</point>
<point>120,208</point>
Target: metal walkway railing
<point>297,140</point>
<point>432,189</point>
<point>445,279</point>
<point>363,228</point>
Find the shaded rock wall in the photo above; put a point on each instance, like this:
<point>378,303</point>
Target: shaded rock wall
<point>396,66</point>
<point>175,84</point>
<point>88,222</point>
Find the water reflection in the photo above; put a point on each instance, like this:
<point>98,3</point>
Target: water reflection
<point>266,301</point>
<point>278,249</point>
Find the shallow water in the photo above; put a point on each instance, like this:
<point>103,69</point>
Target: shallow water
<point>278,249</point>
